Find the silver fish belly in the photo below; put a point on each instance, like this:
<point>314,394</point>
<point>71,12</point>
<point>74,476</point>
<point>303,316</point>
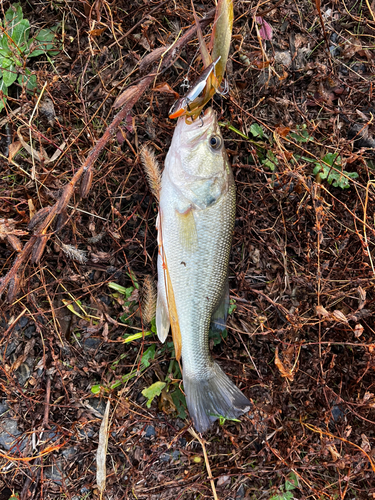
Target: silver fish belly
<point>195,226</point>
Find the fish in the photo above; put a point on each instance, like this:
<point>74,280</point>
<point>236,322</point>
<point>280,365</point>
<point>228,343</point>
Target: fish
<point>195,224</point>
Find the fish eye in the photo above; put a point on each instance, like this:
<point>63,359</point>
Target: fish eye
<point>215,142</point>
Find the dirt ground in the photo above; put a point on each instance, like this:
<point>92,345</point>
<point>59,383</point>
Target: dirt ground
<point>298,124</point>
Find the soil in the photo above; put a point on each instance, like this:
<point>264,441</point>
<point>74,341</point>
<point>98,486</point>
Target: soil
<point>298,128</point>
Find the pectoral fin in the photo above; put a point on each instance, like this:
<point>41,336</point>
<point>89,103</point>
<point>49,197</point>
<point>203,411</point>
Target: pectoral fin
<point>162,319</point>
<point>187,229</point>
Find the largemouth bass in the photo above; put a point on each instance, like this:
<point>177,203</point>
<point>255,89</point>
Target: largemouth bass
<point>195,226</point>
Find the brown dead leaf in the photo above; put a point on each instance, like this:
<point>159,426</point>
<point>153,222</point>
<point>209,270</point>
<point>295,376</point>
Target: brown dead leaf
<point>283,131</point>
<point>365,445</point>
<point>165,88</point>
<point>97,32</point>
<point>285,371</point>
<point>8,232</point>
<point>13,149</point>
<point>21,359</point>
<point>32,209</point>
<point>15,242</point>
<point>369,399</point>
<point>335,454</point>
<point>321,311</point>
<point>362,297</point>
<point>339,316</point>
<point>358,330</point>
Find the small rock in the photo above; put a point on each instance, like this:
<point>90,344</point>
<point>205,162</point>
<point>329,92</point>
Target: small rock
<point>240,492</point>
<point>3,407</point>
<point>52,435</point>
<point>23,373</point>
<point>69,453</point>
<point>171,455</point>
<point>150,431</point>
<point>283,58</point>
<point>106,299</point>
<point>92,343</point>
<point>337,413</point>
<point>223,480</point>
<point>12,346</point>
<point>29,331</point>
<point>21,323</point>
<point>97,405</point>
<point>10,434</point>
<point>54,473</point>
<point>86,433</point>
<point>47,109</point>
<point>165,457</point>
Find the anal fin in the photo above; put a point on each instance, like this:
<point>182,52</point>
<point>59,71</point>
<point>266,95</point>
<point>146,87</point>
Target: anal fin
<point>219,316</point>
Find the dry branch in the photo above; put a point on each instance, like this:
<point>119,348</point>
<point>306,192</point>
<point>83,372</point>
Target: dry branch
<point>37,242</point>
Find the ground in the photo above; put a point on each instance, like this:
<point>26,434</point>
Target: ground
<point>298,125</point>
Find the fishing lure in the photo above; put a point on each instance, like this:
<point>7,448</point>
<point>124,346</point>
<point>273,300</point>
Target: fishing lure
<point>183,104</point>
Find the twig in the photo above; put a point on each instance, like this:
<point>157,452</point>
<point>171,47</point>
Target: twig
<point>201,442</point>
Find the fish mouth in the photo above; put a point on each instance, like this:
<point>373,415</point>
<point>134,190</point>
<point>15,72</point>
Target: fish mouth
<point>196,131</point>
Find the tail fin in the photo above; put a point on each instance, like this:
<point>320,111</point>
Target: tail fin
<point>213,397</point>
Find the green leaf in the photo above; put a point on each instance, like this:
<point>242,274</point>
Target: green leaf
<point>332,170</point>
<point>121,289</point>
<point>233,129</point>
<point>271,161</point>
<point>133,277</point>
<point>3,87</point>
<point>232,306</point>
<point>332,158</point>
<point>28,80</point>
<point>148,356</point>
<point>4,49</point>
<point>20,33</point>
<point>283,496</point>
<point>151,392</point>
<point>256,130</point>
<point>301,135</point>
<point>292,482</point>
<point>95,389</point>
<point>4,90</point>
<point>13,15</point>
<point>217,335</point>
<point>44,42</point>
<point>179,401</point>
<point>9,75</point>
<point>135,336</point>
<point>124,379</point>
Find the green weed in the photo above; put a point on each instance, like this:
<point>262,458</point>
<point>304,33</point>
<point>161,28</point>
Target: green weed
<point>332,170</point>
<point>285,492</point>
<point>16,47</point>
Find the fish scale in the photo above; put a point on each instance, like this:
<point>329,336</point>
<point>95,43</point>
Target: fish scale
<point>196,220</point>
